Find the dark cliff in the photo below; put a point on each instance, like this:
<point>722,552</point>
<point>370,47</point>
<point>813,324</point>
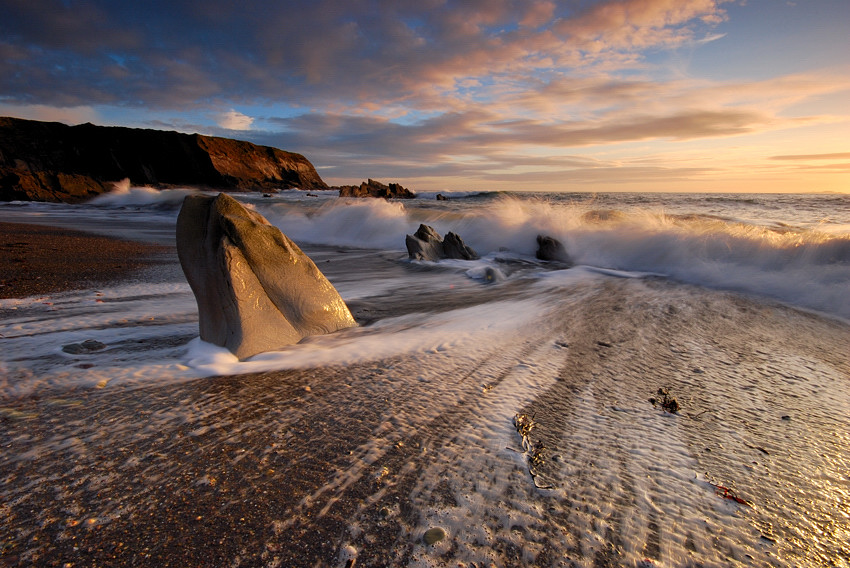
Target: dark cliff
<point>50,161</point>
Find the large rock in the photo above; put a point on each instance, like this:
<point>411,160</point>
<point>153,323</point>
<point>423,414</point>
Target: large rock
<point>372,188</point>
<point>49,161</point>
<point>426,244</point>
<point>256,290</point>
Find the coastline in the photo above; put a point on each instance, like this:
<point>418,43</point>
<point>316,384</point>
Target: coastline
<point>322,465</point>
<point>337,462</point>
<point>43,259</point>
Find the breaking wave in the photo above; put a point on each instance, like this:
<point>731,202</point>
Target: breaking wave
<point>126,196</point>
<point>801,266</point>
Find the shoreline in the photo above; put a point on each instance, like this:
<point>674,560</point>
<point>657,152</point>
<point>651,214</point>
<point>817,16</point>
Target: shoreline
<point>355,460</point>
<point>266,469</point>
<point>43,259</point>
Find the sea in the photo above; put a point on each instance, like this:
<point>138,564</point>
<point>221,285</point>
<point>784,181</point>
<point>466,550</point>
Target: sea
<point>737,304</point>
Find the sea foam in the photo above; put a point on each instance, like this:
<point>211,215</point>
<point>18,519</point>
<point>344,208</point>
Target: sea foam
<point>801,266</point>
<point>125,195</point>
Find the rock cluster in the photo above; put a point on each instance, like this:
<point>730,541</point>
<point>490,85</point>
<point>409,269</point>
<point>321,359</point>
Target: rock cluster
<point>256,290</point>
<point>426,244</point>
<point>372,188</point>
<point>50,161</point>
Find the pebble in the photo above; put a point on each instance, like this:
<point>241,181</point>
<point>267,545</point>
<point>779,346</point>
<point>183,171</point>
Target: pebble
<point>433,536</point>
<point>348,556</point>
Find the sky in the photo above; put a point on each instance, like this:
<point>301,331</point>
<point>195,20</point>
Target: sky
<point>444,95</point>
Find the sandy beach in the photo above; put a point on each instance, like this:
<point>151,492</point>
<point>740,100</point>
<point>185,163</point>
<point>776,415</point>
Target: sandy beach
<point>323,465</point>
<point>40,259</point>
<point>342,465</point>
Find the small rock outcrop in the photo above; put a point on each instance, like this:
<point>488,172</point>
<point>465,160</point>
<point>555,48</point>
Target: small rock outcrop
<point>426,244</point>
<point>50,161</point>
<point>372,188</point>
<point>256,290</point>
<point>552,250</point>
<point>441,197</point>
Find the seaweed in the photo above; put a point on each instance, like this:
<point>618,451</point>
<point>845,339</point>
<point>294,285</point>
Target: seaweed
<point>727,493</point>
<point>535,453</point>
<point>665,401</point>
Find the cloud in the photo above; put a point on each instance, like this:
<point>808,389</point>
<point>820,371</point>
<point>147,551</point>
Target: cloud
<point>413,88</point>
<point>639,23</point>
<point>836,156</point>
<point>177,55</point>
<point>234,120</point>
<point>67,115</point>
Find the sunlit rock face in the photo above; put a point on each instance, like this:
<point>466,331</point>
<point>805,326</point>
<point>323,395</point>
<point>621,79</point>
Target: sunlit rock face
<point>256,290</point>
<point>49,161</point>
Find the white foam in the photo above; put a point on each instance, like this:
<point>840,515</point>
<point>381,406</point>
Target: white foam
<point>464,329</point>
<point>126,196</point>
<point>803,267</point>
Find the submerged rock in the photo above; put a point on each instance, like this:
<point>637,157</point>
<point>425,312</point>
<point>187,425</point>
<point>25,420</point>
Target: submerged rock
<point>256,290</point>
<point>426,244</point>
<point>84,348</point>
<point>551,249</point>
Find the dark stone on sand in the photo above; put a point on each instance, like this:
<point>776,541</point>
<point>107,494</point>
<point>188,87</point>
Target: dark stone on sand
<point>426,244</point>
<point>551,250</point>
<point>372,188</point>
<point>87,346</point>
<point>256,290</point>
<point>434,535</point>
<point>50,161</point>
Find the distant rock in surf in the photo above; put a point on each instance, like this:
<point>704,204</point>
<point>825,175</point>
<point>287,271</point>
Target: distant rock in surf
<point>372,188</point>
<point>50,161</point>
<point>256,290</point>
<point>426,244</point>
<point>552,250</point>
<point>441,197</point>
<point>84,348</point>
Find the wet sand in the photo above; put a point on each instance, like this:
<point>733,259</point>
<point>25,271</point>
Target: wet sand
<point>315,467</point>
<point>311,467</point>
<point>39,259</point>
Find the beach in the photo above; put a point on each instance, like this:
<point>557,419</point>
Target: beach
<point>400,442</point>
<point>40,259</point>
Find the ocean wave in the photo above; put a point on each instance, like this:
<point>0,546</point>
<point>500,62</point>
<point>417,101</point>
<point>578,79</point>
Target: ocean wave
<point>145,197</point>
<point>801,266</point>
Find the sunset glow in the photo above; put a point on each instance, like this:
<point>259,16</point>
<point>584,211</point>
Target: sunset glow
<point>609,95</point>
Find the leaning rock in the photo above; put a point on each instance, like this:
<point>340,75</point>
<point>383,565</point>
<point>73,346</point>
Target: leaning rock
<point>426,244</point>
<point>256,290</point>
<point>551,249</point>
